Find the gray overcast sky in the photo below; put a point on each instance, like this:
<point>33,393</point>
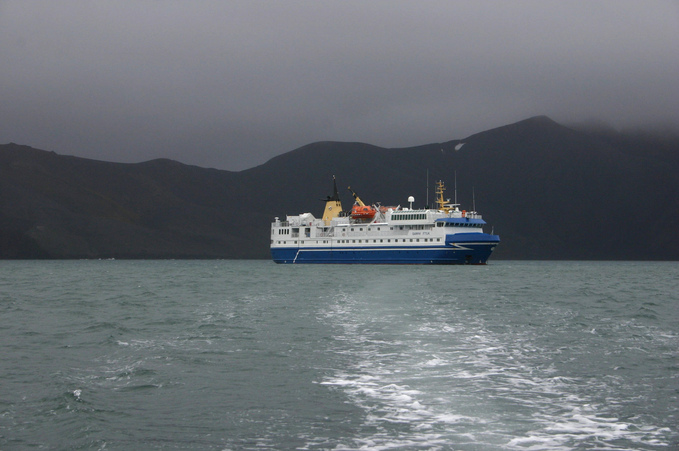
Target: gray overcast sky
<point>230,84</point>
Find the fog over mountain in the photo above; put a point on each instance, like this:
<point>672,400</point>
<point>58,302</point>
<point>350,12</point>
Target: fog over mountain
<point>231,84</point>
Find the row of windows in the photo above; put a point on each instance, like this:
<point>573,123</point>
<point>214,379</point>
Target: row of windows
<point>401,227</point>
<point>462,224</point>
<point>371,229</point>
<point>397,240</point>
<point>298,242</point>
<point>408,216</point>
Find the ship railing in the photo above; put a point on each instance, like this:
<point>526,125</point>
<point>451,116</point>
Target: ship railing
<point>467,214</point>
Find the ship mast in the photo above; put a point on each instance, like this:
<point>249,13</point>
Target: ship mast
<point>455,187</point>
<point>440,200</point>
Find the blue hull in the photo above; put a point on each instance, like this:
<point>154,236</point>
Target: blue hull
<point>460,249</point>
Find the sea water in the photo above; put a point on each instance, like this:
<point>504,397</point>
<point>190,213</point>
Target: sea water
<point>235,355</point>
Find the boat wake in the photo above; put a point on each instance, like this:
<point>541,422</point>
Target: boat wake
<point>432,376</point>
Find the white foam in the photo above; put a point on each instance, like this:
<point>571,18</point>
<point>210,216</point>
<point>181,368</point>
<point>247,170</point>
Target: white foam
<point>447,387</point>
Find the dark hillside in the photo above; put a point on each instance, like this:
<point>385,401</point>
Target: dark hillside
<point>549,191</point>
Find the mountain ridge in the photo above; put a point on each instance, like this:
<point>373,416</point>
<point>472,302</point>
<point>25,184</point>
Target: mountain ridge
<point>550,191</point>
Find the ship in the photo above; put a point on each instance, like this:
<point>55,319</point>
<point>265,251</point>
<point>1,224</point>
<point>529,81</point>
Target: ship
<point>375,234</point>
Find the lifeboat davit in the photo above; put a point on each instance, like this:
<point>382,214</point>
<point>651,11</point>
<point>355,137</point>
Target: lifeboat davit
<point>363,212</point>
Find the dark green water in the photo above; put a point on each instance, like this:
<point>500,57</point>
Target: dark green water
<point>230,355</point>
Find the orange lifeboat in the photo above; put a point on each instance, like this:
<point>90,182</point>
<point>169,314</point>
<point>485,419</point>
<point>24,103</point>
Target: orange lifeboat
<point>363,212</point>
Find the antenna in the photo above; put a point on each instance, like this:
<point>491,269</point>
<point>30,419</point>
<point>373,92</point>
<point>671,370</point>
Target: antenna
<point>427,204</point>
<point>473,200</point>
<point>455,187</point>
